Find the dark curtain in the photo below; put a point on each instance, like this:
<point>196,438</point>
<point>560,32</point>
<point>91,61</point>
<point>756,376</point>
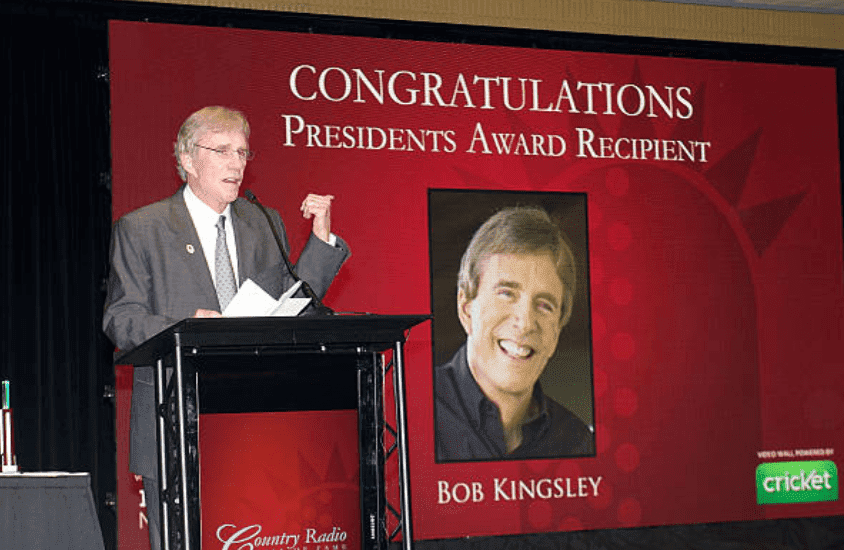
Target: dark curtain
<point>54,235</point>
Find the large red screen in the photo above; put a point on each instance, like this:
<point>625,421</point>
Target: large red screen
<point>713,239</point>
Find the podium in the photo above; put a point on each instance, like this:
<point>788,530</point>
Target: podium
<point>258,364</point>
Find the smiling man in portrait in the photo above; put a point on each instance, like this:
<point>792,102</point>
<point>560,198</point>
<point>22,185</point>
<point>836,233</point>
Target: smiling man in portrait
<point>515,293</point>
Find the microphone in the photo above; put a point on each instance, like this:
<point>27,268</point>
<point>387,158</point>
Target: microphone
<point>318,307</point>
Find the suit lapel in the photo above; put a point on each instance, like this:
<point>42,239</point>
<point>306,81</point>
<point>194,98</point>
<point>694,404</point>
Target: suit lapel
<point>186,244</point>
<point>246,236</point>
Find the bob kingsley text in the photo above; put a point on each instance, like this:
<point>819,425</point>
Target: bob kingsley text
<point>504,489</point>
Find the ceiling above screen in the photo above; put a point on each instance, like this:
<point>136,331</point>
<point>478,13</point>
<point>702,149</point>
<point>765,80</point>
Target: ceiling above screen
<point>815,6</point>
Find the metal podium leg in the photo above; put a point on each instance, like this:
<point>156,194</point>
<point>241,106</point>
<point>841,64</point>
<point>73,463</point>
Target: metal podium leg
<point>370,445</point>
<point>401,438</point>
<point>182,450</point>
<point>164,511</point>
<point>179,514</point>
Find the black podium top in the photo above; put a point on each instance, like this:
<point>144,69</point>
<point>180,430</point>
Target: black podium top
<point>258,335</point>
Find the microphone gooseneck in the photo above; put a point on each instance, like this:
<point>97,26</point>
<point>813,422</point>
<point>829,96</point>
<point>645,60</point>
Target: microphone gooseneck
<point>318,307</point>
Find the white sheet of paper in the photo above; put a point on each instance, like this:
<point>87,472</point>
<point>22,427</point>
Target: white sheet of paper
<point>291,307</point>
<point>252,301</point>
<point>290,291</point>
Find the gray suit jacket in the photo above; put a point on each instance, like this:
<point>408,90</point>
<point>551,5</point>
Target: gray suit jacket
<point>159,276</point>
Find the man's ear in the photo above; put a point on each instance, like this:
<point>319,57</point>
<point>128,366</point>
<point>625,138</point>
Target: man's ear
<point>464,309</point>
<point>187,163</point>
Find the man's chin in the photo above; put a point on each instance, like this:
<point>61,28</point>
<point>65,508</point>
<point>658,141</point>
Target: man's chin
<point>516,372</point>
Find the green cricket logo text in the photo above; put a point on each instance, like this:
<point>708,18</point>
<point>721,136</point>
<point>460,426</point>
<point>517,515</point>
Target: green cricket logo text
<point>787,482</point>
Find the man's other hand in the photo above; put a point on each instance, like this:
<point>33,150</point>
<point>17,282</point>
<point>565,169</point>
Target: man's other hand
<point>318,207</point>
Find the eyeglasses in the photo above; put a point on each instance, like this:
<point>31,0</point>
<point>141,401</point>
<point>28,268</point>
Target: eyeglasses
<point>226,152</point>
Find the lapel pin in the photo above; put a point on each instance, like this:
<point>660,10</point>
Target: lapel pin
<point>189,248</point>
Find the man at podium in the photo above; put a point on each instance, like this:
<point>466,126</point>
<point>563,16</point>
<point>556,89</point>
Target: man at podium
<point>186,255</point>
<point>516,288</point>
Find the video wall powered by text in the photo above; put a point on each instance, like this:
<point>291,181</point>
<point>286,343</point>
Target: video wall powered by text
<point>700,200</point>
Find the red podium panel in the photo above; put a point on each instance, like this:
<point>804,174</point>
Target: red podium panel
<point>289,477</point>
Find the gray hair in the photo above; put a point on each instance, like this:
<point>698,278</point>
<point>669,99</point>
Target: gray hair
<point>207,119</point>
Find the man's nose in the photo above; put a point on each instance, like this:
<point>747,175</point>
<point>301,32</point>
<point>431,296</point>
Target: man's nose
<point>524,316</point>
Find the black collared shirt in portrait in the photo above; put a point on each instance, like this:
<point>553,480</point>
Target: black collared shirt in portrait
<point>468,426</point>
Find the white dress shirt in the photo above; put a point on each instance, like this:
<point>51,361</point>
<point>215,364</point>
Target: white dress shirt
<point>205,221</point>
